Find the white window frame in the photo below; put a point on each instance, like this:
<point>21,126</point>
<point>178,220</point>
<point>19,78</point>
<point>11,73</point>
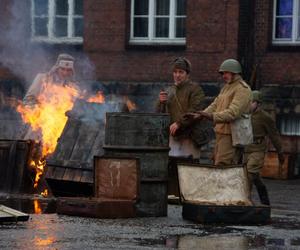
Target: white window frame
<point>294,40</point>
<point>151,39</point>
<point>51,38</point>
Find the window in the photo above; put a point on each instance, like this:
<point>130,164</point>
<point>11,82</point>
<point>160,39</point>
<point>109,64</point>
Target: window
<point>290,125</point>
<point>57,21</point>
<point>158,21</point>
<point>286,22</point>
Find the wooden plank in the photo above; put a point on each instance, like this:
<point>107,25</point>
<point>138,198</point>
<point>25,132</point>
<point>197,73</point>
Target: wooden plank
<point>20,165</point>
<point>87,176</point>
<point>8,214</point>
<point>69,174</point>
<point>66,141</point>
<point>77,175</point>
<point>49,171</point>
<point>59,173</point>
<point>84,143</point>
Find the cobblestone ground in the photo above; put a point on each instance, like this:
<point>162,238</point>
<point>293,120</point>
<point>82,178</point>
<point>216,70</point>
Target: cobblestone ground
<point>51,231</point>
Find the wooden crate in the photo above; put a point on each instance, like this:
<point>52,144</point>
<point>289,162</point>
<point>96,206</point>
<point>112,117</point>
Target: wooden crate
<point>116,178</point>
<point>272,168</point>
<point>290,144</point>
<point>96,208</point>
<point>15,176</point>
<point>68,181</point>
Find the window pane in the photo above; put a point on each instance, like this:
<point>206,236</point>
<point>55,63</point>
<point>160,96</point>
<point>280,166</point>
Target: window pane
<point>41,7</point>
<point>62,7</point>
<point>162,27</point>
<point>78,9</point>
<point>140,27</point>
<point>283,27</point>
<point>141,7</point>
<point>41,26</point>
<point>180,8</point>
<point>162,7</point>
<point>180,27</point>
<point>78,27</point>
<point>298,28</point>
<point>61,27</point>
<point>284,7</point>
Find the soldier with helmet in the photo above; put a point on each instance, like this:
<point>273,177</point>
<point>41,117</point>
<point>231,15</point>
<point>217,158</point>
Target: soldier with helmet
<point>233,100</point>
<point>263,126</point>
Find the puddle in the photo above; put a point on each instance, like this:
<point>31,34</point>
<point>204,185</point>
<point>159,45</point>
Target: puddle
<point>34,205</point>
<point>222,242</point>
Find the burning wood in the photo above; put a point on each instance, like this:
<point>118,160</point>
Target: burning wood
<point>47,120</point>
<point>98,98</point>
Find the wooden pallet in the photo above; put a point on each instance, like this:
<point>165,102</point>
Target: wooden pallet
<point>8,214</point>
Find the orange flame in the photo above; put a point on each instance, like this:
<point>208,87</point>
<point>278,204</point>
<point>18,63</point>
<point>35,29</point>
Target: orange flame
<point>130,104</point>
<point>45,193</point>
<point>98,98</point>
<point>39,168</point>
<point>48,117</point>
<point>37,207</point>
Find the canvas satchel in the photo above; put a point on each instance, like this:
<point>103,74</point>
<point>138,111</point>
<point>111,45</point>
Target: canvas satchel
<point>241,131</point>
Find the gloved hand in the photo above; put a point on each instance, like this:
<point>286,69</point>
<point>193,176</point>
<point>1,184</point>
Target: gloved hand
<point>281,158</point>
<point>192,116</point>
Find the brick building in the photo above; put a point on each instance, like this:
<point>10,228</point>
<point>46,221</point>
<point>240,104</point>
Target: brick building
<point>132,42</point>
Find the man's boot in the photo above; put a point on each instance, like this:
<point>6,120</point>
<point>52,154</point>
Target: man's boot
<point>262,191</point>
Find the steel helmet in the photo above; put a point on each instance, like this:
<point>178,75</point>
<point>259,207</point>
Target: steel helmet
<point>257,96</point>
<point>231,65</point>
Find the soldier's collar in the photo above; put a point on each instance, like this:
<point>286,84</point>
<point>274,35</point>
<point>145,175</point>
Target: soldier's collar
<point>236,77</point>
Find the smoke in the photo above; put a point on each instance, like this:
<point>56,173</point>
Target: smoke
<point>24,57</point>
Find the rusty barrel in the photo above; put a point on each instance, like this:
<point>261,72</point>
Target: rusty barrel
<point>145,136</point>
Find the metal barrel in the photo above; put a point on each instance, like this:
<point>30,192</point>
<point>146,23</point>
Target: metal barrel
<point>145,136</point>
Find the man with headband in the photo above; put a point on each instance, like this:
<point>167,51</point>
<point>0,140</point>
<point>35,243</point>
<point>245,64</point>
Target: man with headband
<point>62,73</point>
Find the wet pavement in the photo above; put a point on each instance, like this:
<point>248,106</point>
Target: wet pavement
<point>47,230</point>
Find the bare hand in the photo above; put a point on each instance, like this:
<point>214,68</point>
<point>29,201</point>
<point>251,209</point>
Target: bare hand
<point>173,128</point>
<point>163,96</point>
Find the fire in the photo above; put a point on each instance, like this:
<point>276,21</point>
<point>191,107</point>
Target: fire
<point>130,104</point>
<point>48,118</point>
<point>45,193</point>
<point>98,98</point>
<point>37,207</point>
<point>39,166</point>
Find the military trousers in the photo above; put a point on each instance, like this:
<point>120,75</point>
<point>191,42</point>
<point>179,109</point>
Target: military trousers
<point>254,162</point>
<point>225,153</point>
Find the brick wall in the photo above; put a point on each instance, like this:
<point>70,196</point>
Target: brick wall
<point>212,36</point>
<point>212,32</point>
<point>278,65</point>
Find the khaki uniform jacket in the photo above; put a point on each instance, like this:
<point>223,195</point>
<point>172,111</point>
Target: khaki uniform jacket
<point>190,98</point>
<point>263,125</point>
<point>233,101</point>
